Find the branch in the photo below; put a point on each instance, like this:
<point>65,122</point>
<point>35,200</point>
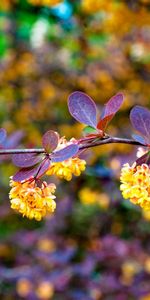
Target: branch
<point>110,140</point>
<point>93,142</point>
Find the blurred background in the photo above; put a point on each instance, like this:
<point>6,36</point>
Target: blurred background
<point>97,245</point>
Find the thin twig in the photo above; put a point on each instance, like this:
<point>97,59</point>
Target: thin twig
<point>82,146</point>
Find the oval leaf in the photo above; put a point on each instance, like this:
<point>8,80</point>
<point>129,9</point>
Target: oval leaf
<point>102,124</point>
<point>26,173</point>
<point>82,108</point>
<point>43,167</point>
<point>140,119</point>
<point>26,160</point>
<point>64,153</point>
<point>50,140</point>
<point>14,139</point>
<point>3,135</point>
<point>113,105</point>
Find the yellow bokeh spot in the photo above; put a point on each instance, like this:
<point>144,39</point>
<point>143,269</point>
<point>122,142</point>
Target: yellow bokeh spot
<point>45,2</point>
<point>23,287</point>
<point>91,197</point>
<point>46,245</point>
<point>45,290</point>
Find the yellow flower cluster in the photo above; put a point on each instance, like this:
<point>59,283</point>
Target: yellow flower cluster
<point>67,168</point>
<point>136,184</point>
<point>92,6</point>
<point>45,2</point>
<point>32,201</point>
<point>92,197</point>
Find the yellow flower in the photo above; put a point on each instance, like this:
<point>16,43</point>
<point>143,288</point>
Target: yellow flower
<point>146,214</point>
<point>92,6</point>
<point>67,168</point>
<point>24,287</point>
<point>88,196</point>
<point>45,2</point>
<point>136,184</point>
<point>32,201</point>
<point>45,290</point>
<point>129,270</point>
<point>146,297</point>
<point>92,197</point>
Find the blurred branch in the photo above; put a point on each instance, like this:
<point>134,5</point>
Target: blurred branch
<point>91,143</point>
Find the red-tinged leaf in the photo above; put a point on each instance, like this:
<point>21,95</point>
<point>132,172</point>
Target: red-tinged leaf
<point>113,105</point>
<point>144,159</point>
<point>64,153</point>
<point>3,135</point>
<point>139,138</point>
<point>82,108</point>
<point>102,124</point>
<point>26,160</point>
<point>50,140</point>
<point>25,173</point>
<point>140,119</point>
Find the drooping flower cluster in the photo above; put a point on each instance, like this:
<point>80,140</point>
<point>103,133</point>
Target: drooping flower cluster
<point>68,167</point>
<point>32,201</point>
<point>135,184</point>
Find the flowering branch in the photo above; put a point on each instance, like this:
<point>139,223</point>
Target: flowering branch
<point>92,143</point>
<point>35,198</point>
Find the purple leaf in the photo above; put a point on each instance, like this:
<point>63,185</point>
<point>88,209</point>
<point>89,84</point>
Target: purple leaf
<point>82,108</point>
<point>50,140</point>
<point>26,160</point>
<point>144,159</point>
<point>3,135</point>
<point>113,105</point>
<point>14,139</point>
<point>140,119</point>
<point>65,153</point>
<point>26,173</point>
<point>139,138</point>
<point>43,167</point>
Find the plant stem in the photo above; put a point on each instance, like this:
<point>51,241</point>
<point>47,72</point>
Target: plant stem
<point>90,144</point>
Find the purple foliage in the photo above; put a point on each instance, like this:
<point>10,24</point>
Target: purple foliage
<point>65,153</point>
<point>82,108</point>
<point>113,105</point>
<point>26,160</point>
<point>50,140</point>
<point>139,139</point>
<point>14,139</point>
<point>144,159</point>
<point>43,167</point>
<point>110,109</point>
<point>3,135</point>
<point>140,119</point>
<point>26,173</point>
